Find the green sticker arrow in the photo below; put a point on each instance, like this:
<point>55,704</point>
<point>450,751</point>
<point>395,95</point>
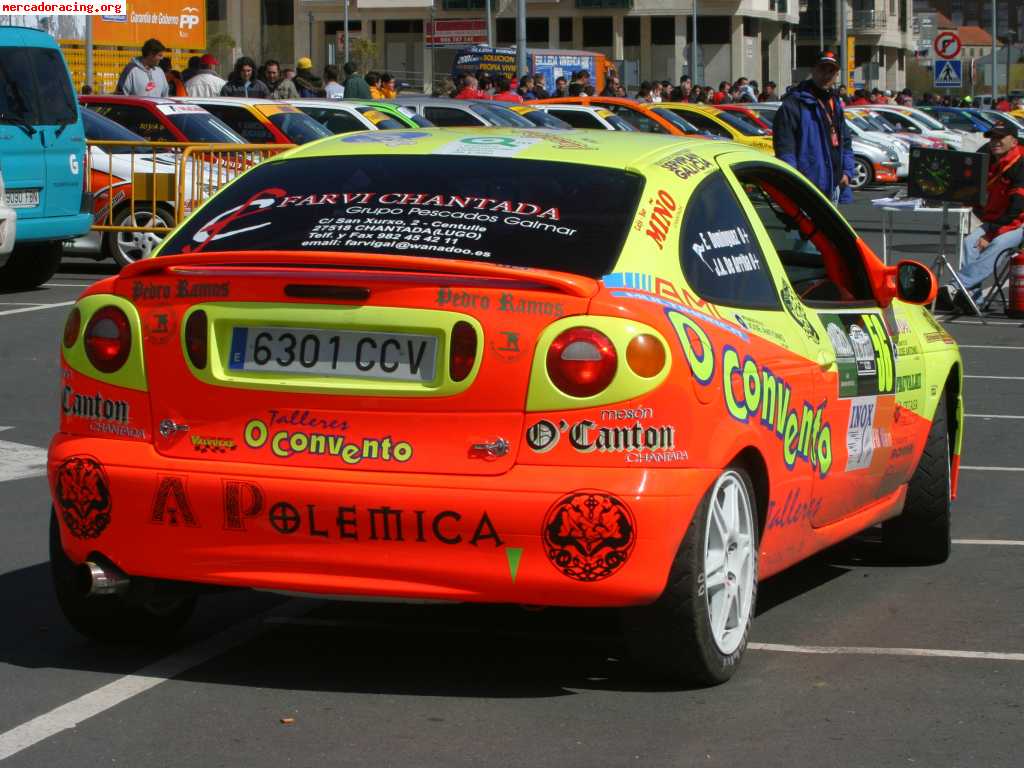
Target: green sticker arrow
<point>514,554</point>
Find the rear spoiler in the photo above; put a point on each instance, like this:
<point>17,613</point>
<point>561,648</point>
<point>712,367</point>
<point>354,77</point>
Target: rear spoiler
<point>217,263</point>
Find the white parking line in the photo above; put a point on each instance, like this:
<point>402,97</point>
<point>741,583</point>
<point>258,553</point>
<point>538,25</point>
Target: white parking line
<point>858,650</point>
<point>96,702</point>
<point>984,346</point>
<point>978,322</point>
<point>67,285</point>
<point>37,307</point>
<point>993,469</point>
<point>990,416</point>
<point>21,303</point>
<point>991,542</point>
<point>1006,378</point>
<point>18,460</point>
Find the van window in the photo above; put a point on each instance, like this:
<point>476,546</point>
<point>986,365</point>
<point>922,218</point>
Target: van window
<point>58,103</point>
<point>17,85</point>
<point>22,70</point>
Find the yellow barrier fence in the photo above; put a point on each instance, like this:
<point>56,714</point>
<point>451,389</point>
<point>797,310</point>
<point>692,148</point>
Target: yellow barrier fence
<point>152,186</point>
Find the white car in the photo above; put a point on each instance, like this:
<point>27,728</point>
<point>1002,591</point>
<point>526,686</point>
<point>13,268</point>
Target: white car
<point>346,116</point>
<point>872,163</point>
<point>915,121</point>
<point>584,116</point>
<point>864,132</point>
<point>8,225</point>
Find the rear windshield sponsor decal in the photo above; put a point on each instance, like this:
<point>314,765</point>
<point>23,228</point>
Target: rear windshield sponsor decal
<point>83,494</point>
<point>588,535</point>
<point>754,393</point>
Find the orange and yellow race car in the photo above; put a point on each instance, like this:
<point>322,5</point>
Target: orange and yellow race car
<point>508,365</point>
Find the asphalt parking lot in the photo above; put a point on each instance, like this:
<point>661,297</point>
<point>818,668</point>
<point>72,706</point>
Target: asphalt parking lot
<point>853,662</point>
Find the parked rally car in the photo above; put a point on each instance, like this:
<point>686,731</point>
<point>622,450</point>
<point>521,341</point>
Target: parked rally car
<point>508,366</point>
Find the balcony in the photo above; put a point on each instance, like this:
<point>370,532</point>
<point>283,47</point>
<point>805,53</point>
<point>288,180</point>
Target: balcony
<point>870,22</point>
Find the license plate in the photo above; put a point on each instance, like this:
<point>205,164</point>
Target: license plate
<point>345,354</point>
<point>21,198</point>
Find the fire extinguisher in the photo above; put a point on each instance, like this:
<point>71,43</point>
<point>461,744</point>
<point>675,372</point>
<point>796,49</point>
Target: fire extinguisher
<point>1016,303</point>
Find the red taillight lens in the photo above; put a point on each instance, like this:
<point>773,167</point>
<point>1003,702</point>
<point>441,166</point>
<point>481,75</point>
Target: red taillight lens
<point>197,339</point>
<point>108,339</point>
<point>462,353</point>
<point>72,327</point>
<point>582,362</point>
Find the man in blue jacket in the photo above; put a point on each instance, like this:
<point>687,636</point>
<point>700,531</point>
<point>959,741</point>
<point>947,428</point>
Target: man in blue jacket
<point>810,132</point>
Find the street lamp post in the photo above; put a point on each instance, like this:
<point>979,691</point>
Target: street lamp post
<point>693,48</point>
<point>995,69</point>
<point>346,34</point>
<point>520,38</point>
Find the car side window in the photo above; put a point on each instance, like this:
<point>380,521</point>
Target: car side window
<point>576,118</point>
<point>336,121</point>
<point>818,251</point>
<point>637,120</point>
<point>719,254</point>
<point>446,117</point>
<point>705,123</point>
<point>138,120</point>
<point>243,123</point>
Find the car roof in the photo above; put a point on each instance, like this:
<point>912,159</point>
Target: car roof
<point>347,106</point>
<point>228,100</point>
<point>610,149</point>
<point>117,97</point>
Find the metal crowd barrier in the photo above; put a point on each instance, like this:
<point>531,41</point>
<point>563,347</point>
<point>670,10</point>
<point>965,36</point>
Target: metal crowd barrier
<point>159,183</point>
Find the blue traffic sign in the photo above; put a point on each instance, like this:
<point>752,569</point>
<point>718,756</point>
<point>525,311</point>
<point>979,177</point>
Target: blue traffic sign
<point>949,74</point>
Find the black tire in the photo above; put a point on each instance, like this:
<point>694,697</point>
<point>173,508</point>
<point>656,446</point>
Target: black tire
<point>922,534</point>
<point>121,252</point>
<point>672,638</point>
<point>113,618</point>
<point>30,265</point>
<point>863,173</point>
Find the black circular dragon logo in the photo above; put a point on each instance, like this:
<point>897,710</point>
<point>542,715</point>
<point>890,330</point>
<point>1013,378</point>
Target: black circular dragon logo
<point>84,496</point>
<point>589,535</point>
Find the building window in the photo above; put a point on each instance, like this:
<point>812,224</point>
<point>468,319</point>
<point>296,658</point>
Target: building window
<point>216,10</point>
<point>463,5</point>
<point>402,26</point>
<point>627,4</point>
<point>565,29</point>
<point>537,31</point>
<point>750,26</point>
<point>332,28</point>
<point>597,31</point>
<point>713,30</point>
<point>663,30</point>
<point>631,31</point>
<point>278,12</point>
<point>505,31</point>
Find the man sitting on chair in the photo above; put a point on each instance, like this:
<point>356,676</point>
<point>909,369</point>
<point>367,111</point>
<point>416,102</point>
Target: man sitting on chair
<point>1002,218</point>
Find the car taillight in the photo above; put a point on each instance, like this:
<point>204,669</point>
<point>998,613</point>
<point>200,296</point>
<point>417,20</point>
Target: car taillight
<point>196,339</point>
<point>72,327</point>
<point>462,351</point>
<point>108,339</point>
<point>645,355</point>
<point>581,362</point>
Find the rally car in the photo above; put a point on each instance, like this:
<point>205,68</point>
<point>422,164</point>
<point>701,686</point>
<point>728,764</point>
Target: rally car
<point>578,368</point>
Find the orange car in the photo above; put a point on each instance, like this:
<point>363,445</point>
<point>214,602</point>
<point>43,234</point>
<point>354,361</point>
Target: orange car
<point>647,118</point>
<point>501,365</point>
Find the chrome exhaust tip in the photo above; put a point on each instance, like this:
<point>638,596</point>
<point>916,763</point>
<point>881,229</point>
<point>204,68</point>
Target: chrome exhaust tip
<point>102,579</point>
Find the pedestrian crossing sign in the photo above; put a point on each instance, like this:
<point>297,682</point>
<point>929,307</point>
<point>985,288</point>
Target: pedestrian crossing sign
<point>949,74</point>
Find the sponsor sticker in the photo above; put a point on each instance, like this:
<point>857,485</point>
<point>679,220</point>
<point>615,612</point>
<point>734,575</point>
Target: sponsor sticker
<point>860,436</point>
<point>487,146</point>
<point>589,535</point>
<point>83,495</point>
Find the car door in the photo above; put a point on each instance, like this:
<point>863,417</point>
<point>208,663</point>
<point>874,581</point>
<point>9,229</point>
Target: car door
<point>825,287</point>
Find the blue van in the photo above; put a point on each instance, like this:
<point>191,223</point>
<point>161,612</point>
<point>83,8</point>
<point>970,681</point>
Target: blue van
<point>42,144</point>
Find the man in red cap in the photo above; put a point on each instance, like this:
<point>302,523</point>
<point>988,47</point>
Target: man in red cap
<point>206,82</point>
<point>810,132</point>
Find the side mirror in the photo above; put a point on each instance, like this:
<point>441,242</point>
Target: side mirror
<point>915,283</point>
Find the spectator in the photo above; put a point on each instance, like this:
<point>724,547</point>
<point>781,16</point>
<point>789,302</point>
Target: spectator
<point>191,70</point>
<point>469,89</point>
<point>1003,104</point>
<point>142,75</point>
<point>485,83</point>
<point>355,84</point>
<point>768,94</point>
<point>525,89</point>
<point>444,89</point>
<point>841,91</point>
<point>656,91</point>
<point>810,132</point>
<point>205,82</point>
<point>86,90</point>
<point>860,98</point>
<point>289,73</point>
<point>721,96</point>
<point>539,89</point>
<point>506,91</point>
<point>308,85</point>
<point>243,81</point>
<point>279,87</point>
<point>611,86</point>
<point>906,98</point>
<point>575,89</point>
<point>1002,218</point>
<point>583,78</point>
<point>332,88</point>
<point>561,87</point>
<point>646,93</point>
<point>373,82</point>
<point>685,88</point>
<point>388,87</point>
<point>175,85</point>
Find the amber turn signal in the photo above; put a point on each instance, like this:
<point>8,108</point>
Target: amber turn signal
<point>645,355</point>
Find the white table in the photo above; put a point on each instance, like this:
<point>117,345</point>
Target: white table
<point>914,207</point>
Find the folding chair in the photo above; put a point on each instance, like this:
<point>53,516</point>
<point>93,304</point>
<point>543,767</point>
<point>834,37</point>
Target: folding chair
<point>1000,276</point>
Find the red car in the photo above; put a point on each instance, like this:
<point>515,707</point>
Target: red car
<point>163,119</point>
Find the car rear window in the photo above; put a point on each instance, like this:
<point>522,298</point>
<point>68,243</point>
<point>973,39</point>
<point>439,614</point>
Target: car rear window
<point>526,213</point>
<point>299,127</point>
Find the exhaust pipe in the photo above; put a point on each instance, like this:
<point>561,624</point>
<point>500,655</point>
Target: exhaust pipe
<point>102,579</point>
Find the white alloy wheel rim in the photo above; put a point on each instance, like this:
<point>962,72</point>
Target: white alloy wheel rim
<point>139,245</point>
<point>860,170</point>
<point>729,561</point>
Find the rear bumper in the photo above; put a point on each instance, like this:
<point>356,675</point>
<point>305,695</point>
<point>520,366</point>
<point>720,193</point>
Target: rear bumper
<point>48,228</point>
<point>349,532</point>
